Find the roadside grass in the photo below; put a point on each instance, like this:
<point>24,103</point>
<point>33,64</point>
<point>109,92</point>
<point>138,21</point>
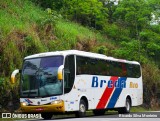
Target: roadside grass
<point>23,17</point>
<point>18,15</point>
<point>138,109</point>
<point>141,109</point>
<point>69,33</point>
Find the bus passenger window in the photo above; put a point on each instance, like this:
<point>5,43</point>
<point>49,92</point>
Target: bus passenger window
<point>124,70</point>
<point>69,73</point>
<point>133,71</point>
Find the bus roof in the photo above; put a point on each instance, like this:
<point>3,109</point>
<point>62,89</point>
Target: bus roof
<point>80,53</point>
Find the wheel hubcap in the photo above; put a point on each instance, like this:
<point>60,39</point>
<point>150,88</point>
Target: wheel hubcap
<point>127,106</point>
<point>82,108</point>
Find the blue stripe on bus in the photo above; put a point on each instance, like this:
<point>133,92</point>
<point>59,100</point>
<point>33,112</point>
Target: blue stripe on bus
<point>116,94</point>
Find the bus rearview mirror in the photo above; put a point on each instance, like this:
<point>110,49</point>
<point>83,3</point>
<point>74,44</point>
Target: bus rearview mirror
<point>60,72</point>
<point>13,75</point>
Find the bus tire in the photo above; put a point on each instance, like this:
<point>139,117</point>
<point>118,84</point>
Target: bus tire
<point>99,112</point>
<point>127,107</point>
<point>82,109</point>
<point>46,116</point>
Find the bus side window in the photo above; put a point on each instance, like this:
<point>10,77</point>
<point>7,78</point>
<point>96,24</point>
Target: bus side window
<point>69,73</point>
<point>81,65</point>
<point>103,67</point>
<point>136,71</point>
<point>124,70</point>
<point>78,68</point>
<point>133,71</point>
<point>95,67</point>
<point>129,70</point>
<point>107,64</point>
<point>117,69</point>
<point>112,68</point>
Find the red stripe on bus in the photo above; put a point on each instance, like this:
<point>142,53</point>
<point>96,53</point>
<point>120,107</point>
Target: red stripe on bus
<point>106,94</point>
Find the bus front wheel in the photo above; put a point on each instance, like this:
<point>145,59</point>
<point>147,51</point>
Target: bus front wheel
<point>82,109</point>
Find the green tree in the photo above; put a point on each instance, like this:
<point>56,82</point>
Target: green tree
<point>44,3</point>
<point>131,51</point>
<point>134,15</point>
<point>87,12</point>
<point>150,39</point>
<point>111,7</point>
<point>155,6</point>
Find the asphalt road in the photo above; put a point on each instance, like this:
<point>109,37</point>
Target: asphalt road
<point>110,119</point>
<point>113,116</point>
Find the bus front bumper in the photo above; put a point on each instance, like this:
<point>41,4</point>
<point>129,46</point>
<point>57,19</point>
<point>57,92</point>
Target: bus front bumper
<point>55,108</point>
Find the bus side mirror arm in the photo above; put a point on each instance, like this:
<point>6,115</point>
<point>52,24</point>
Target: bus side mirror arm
<point>60,72</point>
<point>13,75</point>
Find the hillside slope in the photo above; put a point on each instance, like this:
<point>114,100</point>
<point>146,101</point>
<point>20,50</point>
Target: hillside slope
<point>26,29</point>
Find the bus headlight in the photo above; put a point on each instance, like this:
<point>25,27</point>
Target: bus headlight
<point>24,104</point>
<point>56,102</point>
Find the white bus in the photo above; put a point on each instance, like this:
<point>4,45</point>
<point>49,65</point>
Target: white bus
<point>76,81</point>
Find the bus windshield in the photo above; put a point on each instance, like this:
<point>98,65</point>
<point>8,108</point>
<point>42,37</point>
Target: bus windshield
<point>39,77</point>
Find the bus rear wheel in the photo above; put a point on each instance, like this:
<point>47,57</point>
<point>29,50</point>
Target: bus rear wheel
<point>82,109</point>
<point>46,116</point>
<point>127,107</point>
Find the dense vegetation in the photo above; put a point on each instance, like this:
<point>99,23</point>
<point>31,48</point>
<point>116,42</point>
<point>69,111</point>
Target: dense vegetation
<point>127,29</point>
